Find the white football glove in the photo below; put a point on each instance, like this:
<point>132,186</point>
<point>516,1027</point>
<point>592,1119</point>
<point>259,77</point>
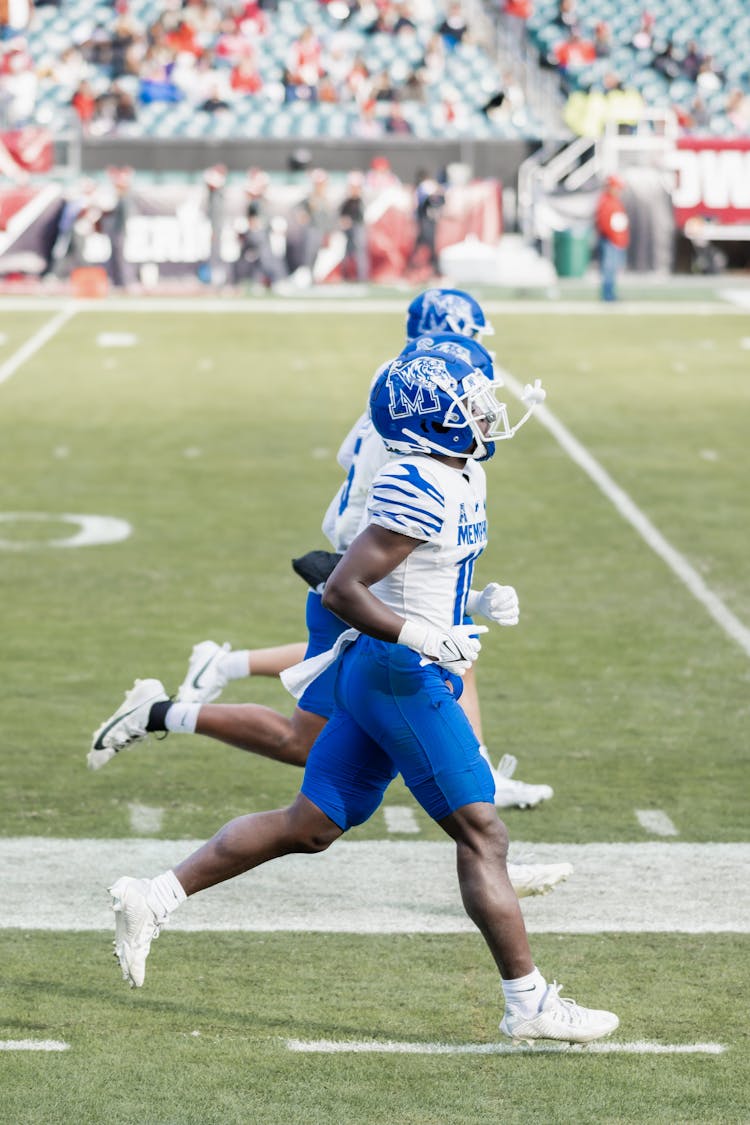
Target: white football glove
<point>533,395</point>
<point>455,649</point>
<point>496,602</point>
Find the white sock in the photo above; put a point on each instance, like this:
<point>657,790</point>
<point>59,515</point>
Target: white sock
<point>165,894</point>
<point>182,717</point>
<point>525,994</point>
<point>236,664</point>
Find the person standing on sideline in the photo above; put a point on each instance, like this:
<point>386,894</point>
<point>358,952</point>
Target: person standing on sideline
<point>352,222</point>
<point>429,202</point>
<point>613,229</point>
<point>213,271</point>
<point>401,587</point>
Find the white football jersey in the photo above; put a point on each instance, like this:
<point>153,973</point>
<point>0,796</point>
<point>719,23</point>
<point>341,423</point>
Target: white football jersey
<point>446,508</point>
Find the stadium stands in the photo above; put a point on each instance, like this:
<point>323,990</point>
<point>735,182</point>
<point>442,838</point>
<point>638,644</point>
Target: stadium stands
<point>306,68</point>
<point>181,82</point>
<point>689,55</point>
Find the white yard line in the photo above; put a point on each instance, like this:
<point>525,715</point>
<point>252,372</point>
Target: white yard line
<point>633,515</point>
<point>603,1047</point>
<point>400,818</point>
<point>145,818</point>
<point>33,1045</point>
<point>383,886</point>
<point>35,342</point>
<point>656,821</point>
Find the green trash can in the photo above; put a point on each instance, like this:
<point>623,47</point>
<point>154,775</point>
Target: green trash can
<point>572,251</point>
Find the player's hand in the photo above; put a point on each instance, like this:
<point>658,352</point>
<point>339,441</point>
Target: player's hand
<point>497,603</point>
<point>455,649</point>
<point>533,395</point>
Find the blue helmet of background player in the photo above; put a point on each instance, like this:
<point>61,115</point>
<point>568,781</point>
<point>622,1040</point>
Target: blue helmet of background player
<point>430,402</point>
<point>462,347</point>
<point>446,310</point>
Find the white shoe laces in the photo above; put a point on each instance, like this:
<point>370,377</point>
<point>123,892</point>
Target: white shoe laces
<point>564,1008</point>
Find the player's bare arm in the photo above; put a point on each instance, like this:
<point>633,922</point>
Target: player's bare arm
<point>373,554</point>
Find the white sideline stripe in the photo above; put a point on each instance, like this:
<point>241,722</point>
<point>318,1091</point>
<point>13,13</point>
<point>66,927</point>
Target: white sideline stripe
<point>33,1045</point>
<point>383,887</point>
<point>319,302</point>
<point>145,818</point>
<point>630,512</point>
<point>116,340</point>
<point>602,1047</point>
<point>400,818</point>
<point>656,821</point>
<point>739,297</point>
<point>37,341</point>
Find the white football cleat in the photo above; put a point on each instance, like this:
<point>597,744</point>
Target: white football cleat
<point>127,725</point>
<point>206,678</point>
<point>511,794</point>
<point>136,926</point>
<point>558,1018</point>
<point>537,878</point>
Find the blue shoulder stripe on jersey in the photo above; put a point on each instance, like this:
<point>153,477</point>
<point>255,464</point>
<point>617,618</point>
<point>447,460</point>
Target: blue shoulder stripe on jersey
<point>408,523</point>
<point>406,472</point>
<point>387,486</point>
<point>408,512</point>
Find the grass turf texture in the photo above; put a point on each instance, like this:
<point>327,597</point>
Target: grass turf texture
<point>134,1056</point>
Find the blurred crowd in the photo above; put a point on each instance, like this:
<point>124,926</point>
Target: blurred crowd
<point>208,54</point>
<point>703,87</point>
<point>318,230</point>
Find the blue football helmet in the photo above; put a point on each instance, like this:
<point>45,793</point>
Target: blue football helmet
<point>446,310</point>
<point>427,402</point>
<point>462,347</point>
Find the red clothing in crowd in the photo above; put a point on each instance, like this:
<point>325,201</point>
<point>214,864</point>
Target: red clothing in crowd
<point>574,53</point>
<point>612,220</point>
<point>245,79</point>
<point>84,103</point>
<point>182,40</point>
<point>305,58</point>
<point>521,9</point>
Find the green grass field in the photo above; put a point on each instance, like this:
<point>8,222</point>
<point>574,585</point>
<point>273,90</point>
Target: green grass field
<point>214,435</point>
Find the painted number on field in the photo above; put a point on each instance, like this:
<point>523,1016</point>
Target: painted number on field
<point>90,530</point>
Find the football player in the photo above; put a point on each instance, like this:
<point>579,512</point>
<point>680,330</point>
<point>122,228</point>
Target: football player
<point>461,321</point>
<point>402,587</point>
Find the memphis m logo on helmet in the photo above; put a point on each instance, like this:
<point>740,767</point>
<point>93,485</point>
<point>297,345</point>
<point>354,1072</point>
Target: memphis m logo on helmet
<point>424,403</point>
<point>410,387</point>
<point>432,403</point>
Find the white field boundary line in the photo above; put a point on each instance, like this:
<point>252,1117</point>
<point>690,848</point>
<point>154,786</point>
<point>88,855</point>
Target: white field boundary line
<point>145,819</point>
<point>637,519</point>
<point>33,1045</point>
<point>35,342</point>
<point>383,887</point>
<point>656,821</point>
<point>400,819</point>
<point>602,1047</point>
<point>318,302</point>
